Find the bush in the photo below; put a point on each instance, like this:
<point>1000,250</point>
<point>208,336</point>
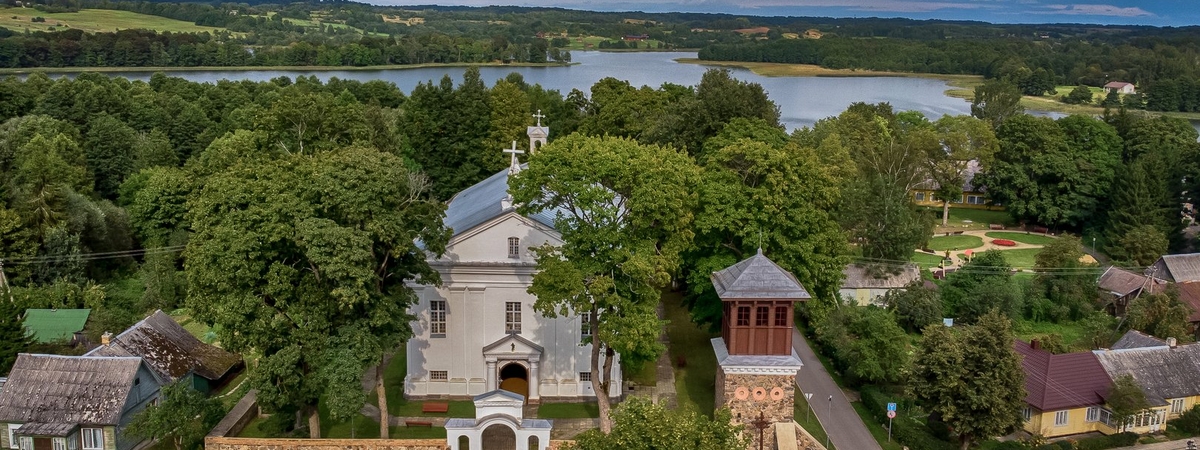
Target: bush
<point>1105,442</point>
<point>1010,445</point>
<point>1188,422</point>
<point>1060,445</point>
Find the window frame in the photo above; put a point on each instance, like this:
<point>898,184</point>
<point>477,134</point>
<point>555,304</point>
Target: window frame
<point>781,319</point>
<point>1062,418</point>
<point>1027,413</point>
<point>1092,414</point>
<point>514,247</point>
<point>585,324</point>
<point>26,442</point>
<point>97,435</point>
<point>743,316</point>
<point>585,377</point>
<point>762,316</point>
<point>919,196</point>
<point>1177,406</point>
<point>439,375</point>
<point>437,318</point>
<point>12,436</point>
<point>512,317</point>
<point>58,443</point>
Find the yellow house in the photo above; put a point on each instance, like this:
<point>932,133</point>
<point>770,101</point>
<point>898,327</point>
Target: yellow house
<point>972,197</point>
<point>1064,393</point>
<point>1169,375</point>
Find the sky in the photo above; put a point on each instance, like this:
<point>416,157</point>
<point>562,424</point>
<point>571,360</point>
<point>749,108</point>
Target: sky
<point>1119,12</point>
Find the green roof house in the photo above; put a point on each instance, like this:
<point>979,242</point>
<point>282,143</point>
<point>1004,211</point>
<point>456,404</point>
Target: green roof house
<point>56,325</point>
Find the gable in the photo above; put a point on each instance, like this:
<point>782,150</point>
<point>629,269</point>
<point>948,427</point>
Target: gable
<point>488,241</point>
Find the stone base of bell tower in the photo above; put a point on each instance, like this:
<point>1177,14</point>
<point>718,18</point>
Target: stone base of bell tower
<point>758,390</point>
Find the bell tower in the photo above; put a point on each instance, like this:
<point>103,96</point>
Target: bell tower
<point>538,133</point>
<point>758,367</point>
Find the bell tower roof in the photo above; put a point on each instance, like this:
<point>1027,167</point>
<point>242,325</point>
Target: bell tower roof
<point>757,277</point>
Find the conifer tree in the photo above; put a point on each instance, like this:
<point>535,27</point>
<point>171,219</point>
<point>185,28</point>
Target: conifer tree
<point>1140,199</point>
<point>14,338</point>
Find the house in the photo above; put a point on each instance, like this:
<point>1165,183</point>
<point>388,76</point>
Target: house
<point>1121,286</point>
<point>173,353</point>
<point>752,31</point>
<point>862,287</point>
<point>1137,339</point>
<point>478,331</point>
<point>57,325</point>
<point>1168,374</point>
<point>1183,268</point>
<point>1064,394</point>
<point>635,37</point>
<point>74,402</point>
<point>972,197</point>
<point>1120,86</point>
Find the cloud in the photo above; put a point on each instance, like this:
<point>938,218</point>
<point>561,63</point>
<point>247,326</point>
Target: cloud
<point>1095,10</point>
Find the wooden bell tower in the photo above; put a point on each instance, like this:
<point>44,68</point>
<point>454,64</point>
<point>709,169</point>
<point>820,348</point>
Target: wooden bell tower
<point>757,375</point>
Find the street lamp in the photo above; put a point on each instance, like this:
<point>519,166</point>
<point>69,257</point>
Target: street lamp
<point>830,417</point>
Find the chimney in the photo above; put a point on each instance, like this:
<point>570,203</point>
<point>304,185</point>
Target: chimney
<point>1171,342</point>
<point>105,338</point>
<point>1034,344</point>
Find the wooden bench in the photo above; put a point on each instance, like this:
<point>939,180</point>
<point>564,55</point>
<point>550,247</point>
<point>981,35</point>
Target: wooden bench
<point>416,423</point>
<point>996,226</point>
<point>435,407</point>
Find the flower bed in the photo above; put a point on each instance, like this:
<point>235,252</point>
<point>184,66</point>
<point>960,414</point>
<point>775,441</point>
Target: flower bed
<point>1004,242</point>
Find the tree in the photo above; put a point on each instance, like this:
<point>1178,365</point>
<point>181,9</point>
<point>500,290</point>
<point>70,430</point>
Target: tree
<point>510,117</point>
<point>971,377</point>
<point>915,306</point>
<point>995,101</point>
<point>625,213</point>
<point>641,425</point>
<point>980,286</point>
<point>1161,315</point>
<point>1060,281</point>
<point>866,343</point>
<point>306,261</point>
<point>881,219</point>
<point>1142,245</point>
<point>718,99</point>
<point>182,415</point>
<point>1126,399</point>
<point>778,197</point>
<point>109,149</point>
<point>1141,199</point>
<point>14,338</point>
<point>153,149</point>
<point>1080,95</point>
<point>964,140</point>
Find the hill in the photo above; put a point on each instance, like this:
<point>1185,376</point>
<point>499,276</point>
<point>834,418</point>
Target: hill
<point>93,20</point>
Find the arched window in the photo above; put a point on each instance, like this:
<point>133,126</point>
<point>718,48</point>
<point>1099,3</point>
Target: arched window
<point>533,443</point>
<point>514,247</point>
<point>464,443</point>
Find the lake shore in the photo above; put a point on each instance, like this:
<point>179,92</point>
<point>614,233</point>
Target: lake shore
<point>29,70</point>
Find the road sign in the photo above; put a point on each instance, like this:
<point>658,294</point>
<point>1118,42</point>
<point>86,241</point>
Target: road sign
<point>808,395</point>
<point>891,414</point>
<point>891,407</point>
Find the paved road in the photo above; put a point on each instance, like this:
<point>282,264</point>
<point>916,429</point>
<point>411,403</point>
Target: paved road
<point>844,426</point>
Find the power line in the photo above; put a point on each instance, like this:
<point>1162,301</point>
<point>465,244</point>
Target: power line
<point>92,256</point>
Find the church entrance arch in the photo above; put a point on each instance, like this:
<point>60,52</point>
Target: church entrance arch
<point>499,437</point>
<point>514,377</point>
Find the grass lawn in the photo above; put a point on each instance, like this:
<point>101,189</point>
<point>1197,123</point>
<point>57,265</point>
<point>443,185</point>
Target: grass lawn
<point>393,380</point>
<point>694,384</point>
<point>1071,332</point>
<point>94,20</point>
<point>926,260</point>
<point>979,218</point>
<point>808,420</point>
<point>943,243</point>
<point>878,431</point>
<point>647,375</point>
<point>1024,238</point>
<point>568,411</point>
<point>1022,258</point>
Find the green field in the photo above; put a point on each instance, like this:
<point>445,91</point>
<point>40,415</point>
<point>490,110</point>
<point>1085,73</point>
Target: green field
<point>568,411</point>
<point>979,218</point>
<point>926,260</point>
<point>1022,258</point>
<point>94,20</point>
<point>393,380</point>
<point>1024,238</point>
<point>943,243</point>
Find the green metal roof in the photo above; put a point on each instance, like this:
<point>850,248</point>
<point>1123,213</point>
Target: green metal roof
<point>49,325</point>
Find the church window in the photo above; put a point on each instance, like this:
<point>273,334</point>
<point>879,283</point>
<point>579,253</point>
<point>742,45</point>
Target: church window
<point>438,375</point>
<point>760,316</point>
<point>514,247</point>
<point>512,317</point>
<point>585,376</point>
<point>743,316</point>
<point>437,317</point>
<point>781,316</point>
<point>585,324</point>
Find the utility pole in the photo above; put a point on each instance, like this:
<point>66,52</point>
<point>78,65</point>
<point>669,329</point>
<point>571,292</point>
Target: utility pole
<point>830,417</point>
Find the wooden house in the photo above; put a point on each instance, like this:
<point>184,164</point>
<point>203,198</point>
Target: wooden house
<point>1169,375</point>
<point>1064,394</point>
<point>1121,87</point>
<point>862,287</point>
<point>74,402</point>
<point>1183,268</point>
<point>1120,286</point>
<point>972,197</point>
<point>173,353</point>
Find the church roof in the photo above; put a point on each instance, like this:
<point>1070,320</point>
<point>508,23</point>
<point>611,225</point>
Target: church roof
<point>758,277</point>
<point>482,202</point>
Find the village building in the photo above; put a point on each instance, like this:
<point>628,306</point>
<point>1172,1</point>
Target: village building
<point>1121,286</point>
<point>1121,87</point>
<point>173,353</point>
<point>1169,375</point>
<point>972,197</point>
<point>1064,394</point>
<point>57,325</point>
<point>478,331</point>
<point>74,402</point>
<point>1183,268</point>
<point>863,286</point>
<point>756,377</point>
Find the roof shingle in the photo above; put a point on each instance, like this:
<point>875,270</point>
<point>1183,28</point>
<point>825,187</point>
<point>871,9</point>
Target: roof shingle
<point>1163,372</point>
<point>758,277</point>
<point>1069,380</point>
<point>81,390</point>
<point>169,349</point>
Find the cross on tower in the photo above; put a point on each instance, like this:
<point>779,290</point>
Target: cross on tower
<point>514,164</point>
<point>539,116</point>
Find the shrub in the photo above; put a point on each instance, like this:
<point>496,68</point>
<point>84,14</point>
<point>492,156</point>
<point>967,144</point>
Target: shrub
<point>1010,445</point>
<point>1188,422</point>
<point>1104,442</point>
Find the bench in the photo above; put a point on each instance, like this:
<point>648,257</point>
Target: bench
<point>996,226</point>
<point>435,407</point>
<point>417,423</point>
<point>956,233</point>
<point>681,361</point>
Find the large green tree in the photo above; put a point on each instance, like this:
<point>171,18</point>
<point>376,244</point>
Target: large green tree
<point>182,415</point>
<point>1161,315</point>
<point>915,306</point>
<point>625,214</point>
<point>995,101</point>
<point>641,425</point>
<point>866,343</point>
<point>965,141</point>
<point>1126,398</point>
<point>14,338</point>
<point>1141,199</point>
<point>718,99</point>
<point>305,261</point>
<point>971,377</point>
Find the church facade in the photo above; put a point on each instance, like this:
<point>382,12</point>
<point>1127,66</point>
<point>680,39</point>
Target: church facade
<point>478,332</point>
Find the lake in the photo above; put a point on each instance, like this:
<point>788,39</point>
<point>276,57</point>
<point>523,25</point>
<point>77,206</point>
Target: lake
<point>802,100</point>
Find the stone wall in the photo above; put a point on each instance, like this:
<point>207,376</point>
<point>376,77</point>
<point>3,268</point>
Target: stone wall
<point>242,413</point>
<point>748,395</point>
<point>228,443</point>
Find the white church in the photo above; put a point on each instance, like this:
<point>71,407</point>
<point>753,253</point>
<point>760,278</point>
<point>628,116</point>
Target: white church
<point>478,332</point>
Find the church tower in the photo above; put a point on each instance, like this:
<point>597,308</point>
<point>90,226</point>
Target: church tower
<point>538,133</point>
<point>756,379</point>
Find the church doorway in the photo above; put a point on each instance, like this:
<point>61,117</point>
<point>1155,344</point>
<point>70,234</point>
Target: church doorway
<point>515,378</point>
<point>499,437</point>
